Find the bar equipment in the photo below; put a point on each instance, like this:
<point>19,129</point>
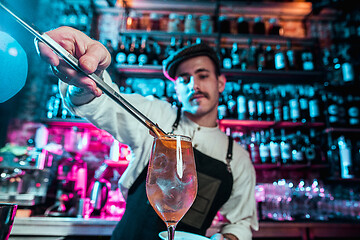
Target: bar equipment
<point>7,216</point>
<point>25,176</point>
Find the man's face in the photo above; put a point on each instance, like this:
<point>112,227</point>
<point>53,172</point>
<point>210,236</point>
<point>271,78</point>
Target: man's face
<point>197,86</point>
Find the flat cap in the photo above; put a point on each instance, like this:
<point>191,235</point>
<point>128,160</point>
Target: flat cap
<point>201,49</point>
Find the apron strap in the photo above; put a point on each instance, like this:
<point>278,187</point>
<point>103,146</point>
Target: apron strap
<point>229,153</point>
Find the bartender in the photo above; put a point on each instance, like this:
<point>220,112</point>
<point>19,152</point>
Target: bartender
<point>226,176</point>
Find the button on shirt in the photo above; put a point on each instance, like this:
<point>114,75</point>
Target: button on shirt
<point>105,114</point>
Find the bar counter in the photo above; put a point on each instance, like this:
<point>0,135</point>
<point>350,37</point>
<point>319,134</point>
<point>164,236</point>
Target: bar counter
<point>46,228</point>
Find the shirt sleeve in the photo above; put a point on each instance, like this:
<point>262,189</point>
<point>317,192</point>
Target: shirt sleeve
<point>240,209</point>
<point>106,114</point>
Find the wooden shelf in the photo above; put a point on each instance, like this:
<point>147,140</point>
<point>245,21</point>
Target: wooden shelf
<point>269,166</point>
<point>254,124</point>
<point>266,76</point>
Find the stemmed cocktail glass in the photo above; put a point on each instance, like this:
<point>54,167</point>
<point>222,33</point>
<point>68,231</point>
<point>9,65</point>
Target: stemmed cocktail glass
<point>171,183</point>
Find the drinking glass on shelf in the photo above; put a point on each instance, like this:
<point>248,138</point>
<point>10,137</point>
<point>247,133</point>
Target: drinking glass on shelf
<point>171,182</point>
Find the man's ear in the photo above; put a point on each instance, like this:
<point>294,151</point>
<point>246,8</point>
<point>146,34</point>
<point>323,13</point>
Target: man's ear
<point>221,82</point>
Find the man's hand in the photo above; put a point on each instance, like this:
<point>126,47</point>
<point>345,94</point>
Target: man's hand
<point>92,55</point>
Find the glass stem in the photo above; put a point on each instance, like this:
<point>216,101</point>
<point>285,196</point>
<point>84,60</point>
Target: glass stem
<point>171,232</point>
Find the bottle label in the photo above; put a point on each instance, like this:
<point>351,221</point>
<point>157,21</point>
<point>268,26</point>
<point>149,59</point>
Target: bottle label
<point>353,112</point>
<point>303,103</point>
<point>308,66</point>
<point>131,58</point>
<point>286,113</point>
<point>269,107</point>
<point>347,72</point>
<point>294,109</point>
<point>227,63</point>
<point>345,162</point>
<point>274,149</point>
<point>264,151</point>
<point>297,156</point>
<point>121,58</point>
<point>142,59</point>
<point>235,59</point>
<point>333,109</point>
<point>260,107</point>
<point>314,110</point>
<point>285,150</point>
<point>279,61</point>
<point>241,107</point>
<point>252,106</point>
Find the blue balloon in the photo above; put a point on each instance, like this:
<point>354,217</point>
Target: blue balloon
<point>13,67</point>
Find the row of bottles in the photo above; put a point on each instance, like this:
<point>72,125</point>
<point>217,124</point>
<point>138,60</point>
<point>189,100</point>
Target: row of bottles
<point>74,14</point>
<point>267,57</point>
<point>267,102</point>
<point>279,147</point>
<point>205,23</point>
<point>344,155</point>
<point>343,111</point>
<point>133,50</point>
<point>341,63</point>
<point>54,108</point>
<point>144,50</point>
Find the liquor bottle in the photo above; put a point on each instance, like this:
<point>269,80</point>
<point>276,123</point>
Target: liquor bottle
<point>297,152</point>
<point>285,105</point>
<point>244,63</point>
<point>353,111</point>
<point>254,147</point>
<point>347,69</point>
<point>280,63</point>
<point>269,105</point>
<point>252,56</point>
<point>226,58</point>
<point>314,106</point>
<point>260,58</point>
<point>334,158</point>
<point>291,57</point>
<point>260,105</point>
<point>332,109</point>
<point>171,49</point>
<point>294,105</point>
<point>251,104</point>
<point>231,106</point>
<point>310,151</point>
<point>132,56</point>
<point>269,58</point>
<point>156,54</point>
<point>264,149</point>
<point>285,148</point>
<point>222,107</point>
<point>345,158</point>
<point>274,27</point>
<point>258,26</point>
<point>143,54</point>
<point>307,60</point>
<point>235,56</point>
<point>242,26</point>
<point>315,144</point>
<point>274,147</point>
<point>241,104</point>
<point>121,54</point>
<point>278,106</point>
<point>303,104</point>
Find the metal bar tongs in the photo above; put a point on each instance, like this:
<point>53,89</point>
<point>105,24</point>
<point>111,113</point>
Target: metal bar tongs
<point>74,63</point>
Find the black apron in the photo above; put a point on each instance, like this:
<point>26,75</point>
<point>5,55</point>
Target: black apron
<point>215,181</point>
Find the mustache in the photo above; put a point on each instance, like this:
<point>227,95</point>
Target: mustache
<point>198,94</point>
